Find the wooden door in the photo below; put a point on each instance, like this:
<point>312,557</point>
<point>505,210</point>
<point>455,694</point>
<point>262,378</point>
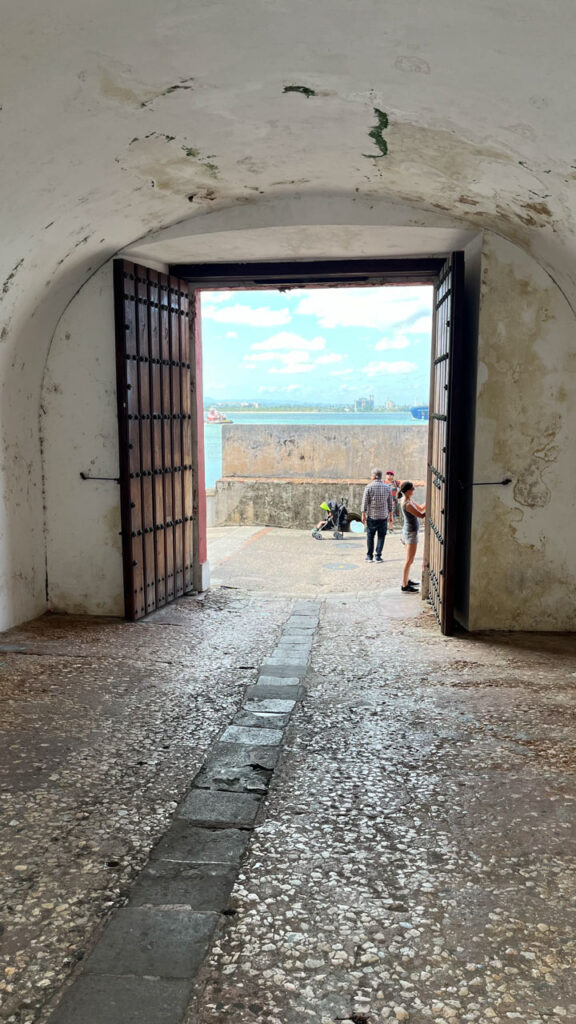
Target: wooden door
<point>154,380</point>
<point>445,388</point>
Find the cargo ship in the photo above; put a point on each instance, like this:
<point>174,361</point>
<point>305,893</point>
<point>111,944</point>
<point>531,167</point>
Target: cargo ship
<point>419,412</point>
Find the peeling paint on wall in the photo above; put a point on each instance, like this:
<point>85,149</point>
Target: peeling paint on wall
<point>170,165</point>
<point>183,84</point>
<point>8,281</point>
<point>375,134</point>
<point>130,93</point>
<point>303,89</point>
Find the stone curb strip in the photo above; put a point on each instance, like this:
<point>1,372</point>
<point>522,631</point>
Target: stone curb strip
<point>142,969</point>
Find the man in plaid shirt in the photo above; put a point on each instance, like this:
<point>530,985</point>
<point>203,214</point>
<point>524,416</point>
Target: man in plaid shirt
<point>376,510</point>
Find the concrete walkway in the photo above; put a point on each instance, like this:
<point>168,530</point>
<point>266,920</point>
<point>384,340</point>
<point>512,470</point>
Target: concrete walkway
<point>275,561</point>
<point>415,857</point>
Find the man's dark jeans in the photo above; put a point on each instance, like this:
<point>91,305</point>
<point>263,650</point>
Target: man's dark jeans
<point>373,527</point>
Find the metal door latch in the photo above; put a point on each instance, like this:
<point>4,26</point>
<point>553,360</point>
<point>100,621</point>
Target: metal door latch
<point>86,476</point>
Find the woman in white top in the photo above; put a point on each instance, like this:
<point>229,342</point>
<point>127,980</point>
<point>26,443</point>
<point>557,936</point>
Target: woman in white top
<point>411,513</point>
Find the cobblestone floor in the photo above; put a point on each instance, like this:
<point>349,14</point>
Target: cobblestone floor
<point>103,726</point>
<point>417,858</point>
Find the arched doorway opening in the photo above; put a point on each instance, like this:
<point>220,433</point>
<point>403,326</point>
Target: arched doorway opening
<point>159,360</point>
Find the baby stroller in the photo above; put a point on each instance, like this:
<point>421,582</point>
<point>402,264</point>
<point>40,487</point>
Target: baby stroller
<point>336,520</point>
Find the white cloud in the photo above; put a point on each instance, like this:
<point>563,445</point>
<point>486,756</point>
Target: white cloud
<point>259,317</point>
<point>294,361</point>
<point>208,297</point>
<point>421,326</point>
<point>231,334</point>
<point>286,339</point>
<point>400,341</point>
<point>373,369</point>
<point>298,367</point>
<point>261,357</point>
<point>379,308</point>
<point>263,389</point>
<point>340,373</point>
<point>330,357</point>
<point>282,357</point>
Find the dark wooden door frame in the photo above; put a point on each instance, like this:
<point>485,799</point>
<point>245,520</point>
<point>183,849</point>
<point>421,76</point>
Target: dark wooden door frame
<point>364,273</point>
<point>295,274</point>
<point>444,440</point>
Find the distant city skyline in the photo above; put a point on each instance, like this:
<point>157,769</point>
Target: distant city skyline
<point>325,345</point>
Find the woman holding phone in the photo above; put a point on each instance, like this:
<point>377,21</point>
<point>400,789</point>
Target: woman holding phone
<point>412,513</point>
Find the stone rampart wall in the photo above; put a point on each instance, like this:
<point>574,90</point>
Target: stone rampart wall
<point>340,452</point>
<point>280,475</point>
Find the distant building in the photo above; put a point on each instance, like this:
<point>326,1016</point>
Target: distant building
<point>364,404</point>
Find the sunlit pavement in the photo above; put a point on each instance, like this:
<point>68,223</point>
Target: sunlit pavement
<point>267,559</point>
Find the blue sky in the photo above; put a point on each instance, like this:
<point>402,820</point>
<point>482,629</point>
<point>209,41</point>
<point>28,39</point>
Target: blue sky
<point>318,344</point>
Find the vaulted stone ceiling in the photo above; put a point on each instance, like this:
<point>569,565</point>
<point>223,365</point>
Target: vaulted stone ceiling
<point>120,118</point>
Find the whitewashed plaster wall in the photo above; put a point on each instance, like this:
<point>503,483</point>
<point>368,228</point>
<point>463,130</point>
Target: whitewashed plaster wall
<point>523,563</point>
<point>79,430</point>
<point>523,569</point>
<point>22,563</point>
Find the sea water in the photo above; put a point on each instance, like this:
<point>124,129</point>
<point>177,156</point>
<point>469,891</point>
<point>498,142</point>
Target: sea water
<point>213,431</point>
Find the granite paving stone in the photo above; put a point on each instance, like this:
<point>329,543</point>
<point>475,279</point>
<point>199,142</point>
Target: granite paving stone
<point>261,719</point>
<point>255,737</point>
<point>296,639</point>
<point>172,883</point>
<point>211,807</point>
<point>284,664</point>
<point>285,647</point>
<point>277,677</point>
<point>245,778</point>
<point>274,690</point>
<point>196,845</point>
<point>104,999</point>
<point>289,653</point>
<point>301,621</point>
<point>241,755</point>
<point>162,943</point>
<point>296,659</point>
<point>276,706</point>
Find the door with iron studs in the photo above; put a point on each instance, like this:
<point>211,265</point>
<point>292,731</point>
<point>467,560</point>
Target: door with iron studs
<point>442,489</point>
<point>154,381</point>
